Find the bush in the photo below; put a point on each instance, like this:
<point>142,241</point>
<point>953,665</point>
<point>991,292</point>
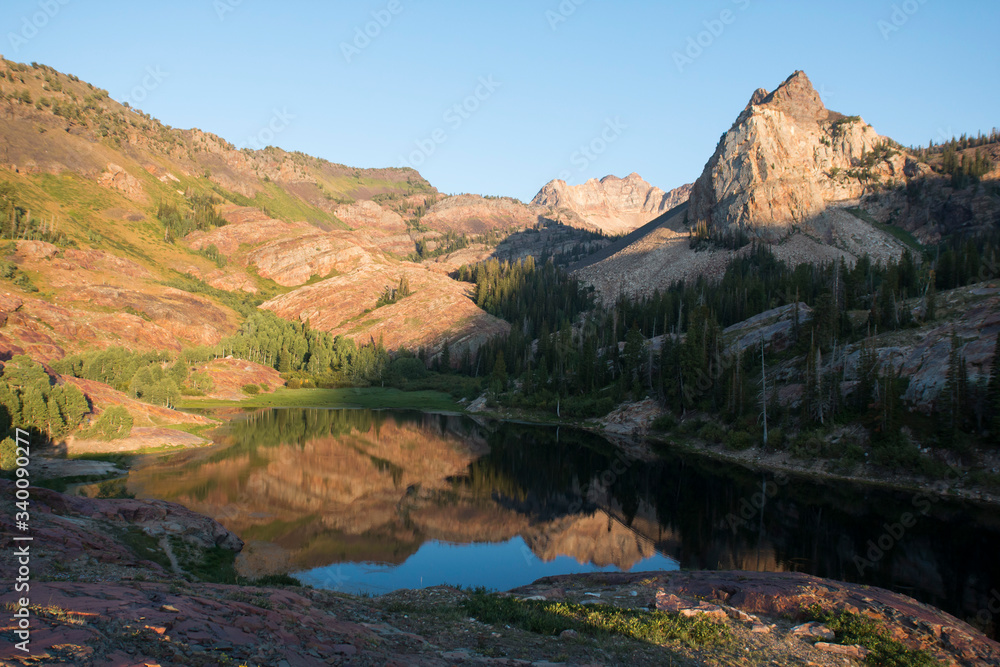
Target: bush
<point>583,407</point>
<point>692,425</point>
<point>115,423</point>
<point>251,389</point>
<point>740,440</point>
<point>408,368</point>
<point>712,432</point>
<point>808,445</point>
<point>8,454</point>
<point>664,422</point>
<point>896,453</point>
<point>859,629</point>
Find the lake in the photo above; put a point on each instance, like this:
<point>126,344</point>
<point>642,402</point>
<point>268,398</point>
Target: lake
<point>371,501</point>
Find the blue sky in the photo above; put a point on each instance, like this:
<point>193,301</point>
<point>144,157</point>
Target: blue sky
<point>620,77</point>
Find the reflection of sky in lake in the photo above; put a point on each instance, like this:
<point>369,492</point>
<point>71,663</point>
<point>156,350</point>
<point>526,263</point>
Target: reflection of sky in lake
<point>499,566</point>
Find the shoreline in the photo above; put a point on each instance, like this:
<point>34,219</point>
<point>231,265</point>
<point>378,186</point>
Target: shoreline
<point>650,445</point>
<point>97,575</point>
<point>639,443</point>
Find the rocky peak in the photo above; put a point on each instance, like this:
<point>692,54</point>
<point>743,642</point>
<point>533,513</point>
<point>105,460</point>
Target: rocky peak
<point>611,204</point>
<point>757,98</point>
<point>785,160</point>
<point>797,99</point>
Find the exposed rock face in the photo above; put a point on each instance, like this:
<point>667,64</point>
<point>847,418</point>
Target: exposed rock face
<point>974,320</point>
<point>784,173</point>
<point>248,226</point>
<point>368,215</point>
<point>294,261</point>
<point>473,214</point>
<point>72,527</point>
<point>102,396</point>
<point>116,178</point>
<point>756,598</point>
<point>784,161</point>
<point>613,205</point>
<point>438,309</point>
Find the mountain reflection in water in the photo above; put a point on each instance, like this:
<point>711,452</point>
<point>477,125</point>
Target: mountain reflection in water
<point>349,497</point>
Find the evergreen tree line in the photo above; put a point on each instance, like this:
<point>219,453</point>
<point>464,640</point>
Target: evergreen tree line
<point>264,338</point>
<point>566,355</point>
<point>17,223</point>
<point>958,143</point>
<point>30,400</point>
<point>965,169</point>
<point>202,216</point>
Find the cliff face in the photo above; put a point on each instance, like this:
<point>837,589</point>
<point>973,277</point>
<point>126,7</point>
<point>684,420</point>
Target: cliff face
<point>613,205</point>
<point>785,160</point>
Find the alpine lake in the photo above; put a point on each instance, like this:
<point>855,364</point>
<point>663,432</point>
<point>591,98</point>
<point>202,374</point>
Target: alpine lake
<point>368,501</point>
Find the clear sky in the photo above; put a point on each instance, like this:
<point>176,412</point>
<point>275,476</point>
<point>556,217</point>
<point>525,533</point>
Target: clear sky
<point>626,78</point>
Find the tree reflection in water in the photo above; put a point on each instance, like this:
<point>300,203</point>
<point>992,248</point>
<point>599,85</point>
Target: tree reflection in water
<point>352,486</point>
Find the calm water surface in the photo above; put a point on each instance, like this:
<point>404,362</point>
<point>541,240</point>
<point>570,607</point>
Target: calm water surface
<point>367,501</point>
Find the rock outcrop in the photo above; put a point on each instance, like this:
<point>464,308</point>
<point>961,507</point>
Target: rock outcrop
<point>474,214</point>
<point>438,309</point>
<point>612,205</point>
<point>367,215</point>
<point>116,178</point>
<point>785,161</point>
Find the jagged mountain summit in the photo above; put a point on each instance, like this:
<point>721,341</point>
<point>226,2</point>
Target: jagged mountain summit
<point>789,172</point>
<point>787,161</point>
<point>613,205</point>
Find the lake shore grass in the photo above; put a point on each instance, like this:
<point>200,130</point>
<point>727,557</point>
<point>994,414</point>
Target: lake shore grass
<point>373,398</point>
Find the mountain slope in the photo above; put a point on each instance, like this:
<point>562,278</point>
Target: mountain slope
<point>125,231</point>
<point>786,173</point>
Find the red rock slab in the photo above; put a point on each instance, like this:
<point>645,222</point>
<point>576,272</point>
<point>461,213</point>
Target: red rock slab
<point>788,594</point>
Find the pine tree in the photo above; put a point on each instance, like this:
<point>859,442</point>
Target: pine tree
<point>951,407</point>
<point>868,372</point>
<point>930,298</point>
<point>498,380</point>
<point>993,391</point>
<point>446,357</point>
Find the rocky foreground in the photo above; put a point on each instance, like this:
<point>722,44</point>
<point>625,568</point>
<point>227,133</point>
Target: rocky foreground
<point>122,582</point>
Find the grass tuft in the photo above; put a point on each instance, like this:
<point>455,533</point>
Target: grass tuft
<point>597,620</point>
<point>861,630</point>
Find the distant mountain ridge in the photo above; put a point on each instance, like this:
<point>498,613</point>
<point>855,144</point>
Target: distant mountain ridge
<point>613,205</point>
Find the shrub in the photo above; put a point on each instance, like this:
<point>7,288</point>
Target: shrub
<point>408,368</point>
<point>251,389</point>
<point>740,440</point>
<point>859,629</point>
<point>8,454</point>
<point>712,432</point>
<point>114,423</point>
<point>808,445</point>
<point>664,422</point>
